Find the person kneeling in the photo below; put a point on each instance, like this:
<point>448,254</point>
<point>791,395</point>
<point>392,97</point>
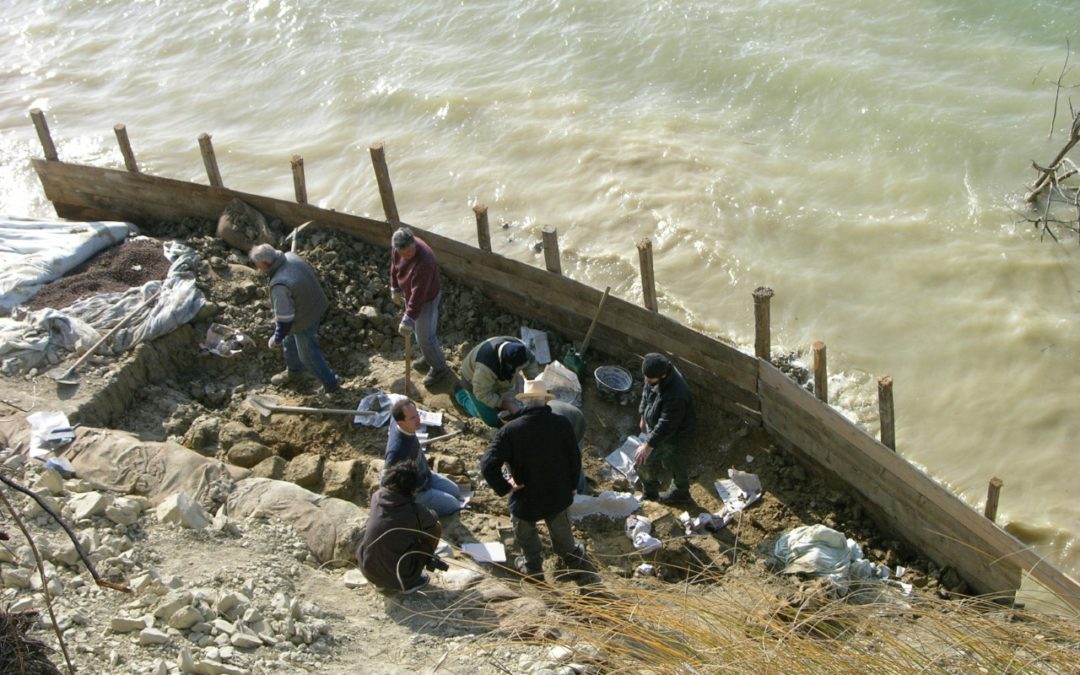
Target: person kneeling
<point>400,536</point>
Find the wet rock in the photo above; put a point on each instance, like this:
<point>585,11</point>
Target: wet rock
<point>305,470</point>
<point>271,467</point>
<point>247,453</point>
<point>342,479</point>
<point>233,432</point>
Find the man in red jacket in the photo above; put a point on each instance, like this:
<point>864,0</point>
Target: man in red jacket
<point>414,283</point>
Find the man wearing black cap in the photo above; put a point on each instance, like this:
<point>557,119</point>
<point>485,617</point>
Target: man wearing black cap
<point>490,369</point>
<point>667,420</point>
<point>414,283</point>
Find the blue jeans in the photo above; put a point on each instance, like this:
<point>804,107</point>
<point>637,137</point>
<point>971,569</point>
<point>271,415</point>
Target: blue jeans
<point>424,328</point>
<point>443,496</point>
<point>302,350</point>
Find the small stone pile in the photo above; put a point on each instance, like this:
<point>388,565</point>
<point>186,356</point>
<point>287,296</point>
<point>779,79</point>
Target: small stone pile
<point>227,624</point>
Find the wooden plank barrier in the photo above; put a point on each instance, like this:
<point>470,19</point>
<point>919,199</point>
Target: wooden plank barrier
<point>918,508</point>
<point>923,512</point>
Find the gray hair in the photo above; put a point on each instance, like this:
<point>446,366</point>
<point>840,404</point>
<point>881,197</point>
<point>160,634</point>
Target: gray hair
<point>403,238</point>
<point>263,254</point>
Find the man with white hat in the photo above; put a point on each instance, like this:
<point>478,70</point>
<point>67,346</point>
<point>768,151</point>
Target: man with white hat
<point>540,450</point>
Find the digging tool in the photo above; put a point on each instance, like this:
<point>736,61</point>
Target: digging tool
<point>408,360</point>
<point>575,360</point>
<point>295,234</point>
<point>428,441</point>
<point>266,407</point>
<point>71,376</point>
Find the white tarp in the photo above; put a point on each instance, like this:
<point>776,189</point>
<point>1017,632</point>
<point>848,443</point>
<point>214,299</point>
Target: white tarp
<point>820,551</point>
<point>34,252</point>
<point>25,342</point>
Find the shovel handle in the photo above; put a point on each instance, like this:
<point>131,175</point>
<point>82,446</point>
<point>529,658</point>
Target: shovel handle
<point>120,324</point>
<point>588,335</point>
<point>298,410</point>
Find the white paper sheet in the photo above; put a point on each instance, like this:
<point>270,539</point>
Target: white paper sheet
<point>485,552</point>
<point>623,458</point>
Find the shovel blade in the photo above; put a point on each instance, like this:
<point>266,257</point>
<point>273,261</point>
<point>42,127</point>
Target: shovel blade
<point>263,406</point>
<point>64,375</point>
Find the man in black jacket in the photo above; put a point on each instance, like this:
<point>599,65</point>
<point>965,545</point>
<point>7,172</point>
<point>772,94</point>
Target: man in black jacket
<point>541,452</point>
<point>668,420</point>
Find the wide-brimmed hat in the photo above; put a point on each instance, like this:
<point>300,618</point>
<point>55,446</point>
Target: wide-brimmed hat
<point>536,389</point>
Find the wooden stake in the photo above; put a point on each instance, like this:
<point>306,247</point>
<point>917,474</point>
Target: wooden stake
<point>125,148</point>
<point>885,412</point>
<point>993,492</point>
<point>386,190</point>
<point>551,250</point>
<point>43,134</point>
<point>648,280</point>
<point>762,338</point>
<point>210,161</point>
<point>298,180</point>
<point>483,233</point>
<point>821,372</point>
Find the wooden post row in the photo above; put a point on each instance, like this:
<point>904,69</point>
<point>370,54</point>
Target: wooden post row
<point>43,134</point>
<point>551,250</point>
<point>993,493</point>
<point>885,412</point>
<point>648,280</point>
<point>762,339</point>
<point>483,233</point>
<point>821,372</point>
<point>298,179</point>
<point>125,148</point>
<point>210,161</point>
<point>386,190</point>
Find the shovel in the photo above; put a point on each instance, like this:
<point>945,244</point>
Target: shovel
<point>266,406</point>
<point>575,360</point>
<point>71,376</point>
<point>408,360</point>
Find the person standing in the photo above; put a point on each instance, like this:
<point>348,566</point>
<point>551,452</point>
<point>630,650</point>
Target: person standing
<point>540,451</point>
<point>489,369</point>
<point>667,420</point>
<point>400,536</point>
<point>414,283</point>
<point>299,304</point>
<point>576,418</point>
<point>435,491</point>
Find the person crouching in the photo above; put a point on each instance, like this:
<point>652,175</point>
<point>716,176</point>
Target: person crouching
<point>400,536</point>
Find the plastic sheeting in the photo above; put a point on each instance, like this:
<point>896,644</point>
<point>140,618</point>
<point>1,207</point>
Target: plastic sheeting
<point>34,252</point>
<point>26,342</point>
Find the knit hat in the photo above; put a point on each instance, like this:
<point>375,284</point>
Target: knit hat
<point>513,354</point>
<point>654,365</point>
<point>403,238</point>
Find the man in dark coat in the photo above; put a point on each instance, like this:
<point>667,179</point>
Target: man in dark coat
<point>667,420</point>
<point>400,536</point>
<point>540,450</point>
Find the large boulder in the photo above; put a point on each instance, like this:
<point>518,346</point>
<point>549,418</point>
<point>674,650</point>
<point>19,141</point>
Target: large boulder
<point>242,226</point>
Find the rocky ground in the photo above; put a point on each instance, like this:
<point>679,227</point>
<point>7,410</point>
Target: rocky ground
<point>247,595</point>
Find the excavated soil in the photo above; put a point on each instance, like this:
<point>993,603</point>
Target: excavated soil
<point>200,400</point>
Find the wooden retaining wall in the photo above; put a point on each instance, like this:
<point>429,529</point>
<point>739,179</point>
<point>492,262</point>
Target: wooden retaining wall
<point>923,512</point>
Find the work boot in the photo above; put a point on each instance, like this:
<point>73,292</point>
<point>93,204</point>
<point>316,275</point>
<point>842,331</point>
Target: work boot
<point>529,573</point>
<point>434,375</point>
<point>423,581</point>
<point>420,364</point>
<point>674,496</point>
<point>285,378</point>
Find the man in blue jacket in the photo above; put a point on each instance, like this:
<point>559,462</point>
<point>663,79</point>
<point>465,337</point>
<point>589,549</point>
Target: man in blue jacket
<point>667,420</point>
<point>540,450</point>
